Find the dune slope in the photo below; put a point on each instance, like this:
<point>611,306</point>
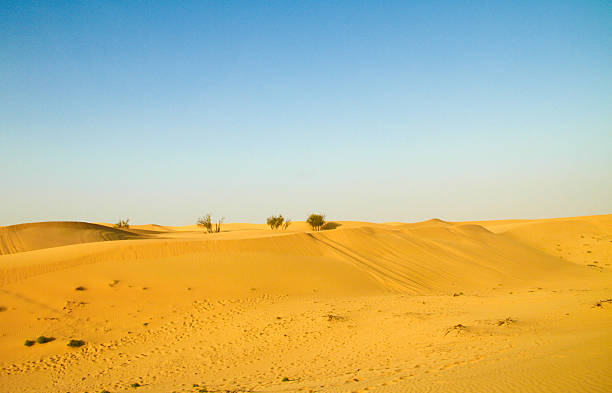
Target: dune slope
<point>415,259</point>
<point>35,236</point>
<point>581,240</point>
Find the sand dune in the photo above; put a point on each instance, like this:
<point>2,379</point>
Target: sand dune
<point>582,240</point>
<point>432,306</point>
<point>416,258</point>
<point>35,236</point>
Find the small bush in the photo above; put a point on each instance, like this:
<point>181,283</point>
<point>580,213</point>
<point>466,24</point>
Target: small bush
<point>285,379</point>
<point>279,221</point>
<point>123,224</point>
<point>205,222</point>
<point>80,288</point>
<point>104,391</point>
<point>208,225</point>
<point>275,221</point>
<point>505,322</point>
<point>218,225</point>
<point>44,340</point>
<point>602,302</point>
<point>457,329</point>
<point>76,343</point>
<point>286,224</point>
<point>316,221</point>
<point>135,385</point>
<point>335,318</point>
<point>29,343</point>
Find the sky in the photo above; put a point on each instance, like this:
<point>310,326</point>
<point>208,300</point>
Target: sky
<point>361,110</point>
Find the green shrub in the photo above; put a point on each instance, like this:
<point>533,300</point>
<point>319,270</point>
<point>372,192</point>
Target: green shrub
<point>210,227</point>
<point>135,385</point>
<point>218,225</point>
<point>271,222</point>
<point>275,221</point>
<point>123,224</point>
<point>29,343</point>
<point>76,343</point>
<point>286,223</point>
<point>279,221</point>
<point>316,221</point>
<point>206,223</point>
<point>44,340</point>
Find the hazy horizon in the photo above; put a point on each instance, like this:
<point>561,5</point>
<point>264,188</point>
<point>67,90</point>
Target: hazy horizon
<point>371,112</point>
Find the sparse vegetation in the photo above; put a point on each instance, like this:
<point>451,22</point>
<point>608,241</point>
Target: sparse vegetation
<point>285,379</point>
<point>275,221</point>
<point>76,343</point>
<point>218,225</point>
<point>29,343</point>
<point>505,322</point>
<point>80,288</point>
<point>135,385</point>
<point>335,318</point>
<point>286,223</point>
<point>457,329</point>
<point>124,224</point>
<point>44,340</point>
<point>279,221</point>
<point>602,302</point>
<point>207,224</point>
<point>316,221</point>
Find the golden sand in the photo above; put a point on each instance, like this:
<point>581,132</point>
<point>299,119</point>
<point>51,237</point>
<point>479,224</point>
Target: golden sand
<point>491,306</point>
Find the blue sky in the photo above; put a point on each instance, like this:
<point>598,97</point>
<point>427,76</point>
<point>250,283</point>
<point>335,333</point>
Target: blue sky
<point>379,111</point>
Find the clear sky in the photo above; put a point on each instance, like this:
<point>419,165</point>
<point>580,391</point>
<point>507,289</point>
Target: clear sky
<point>364,110</point>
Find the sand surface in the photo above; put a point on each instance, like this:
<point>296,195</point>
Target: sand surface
<point>491,306</point>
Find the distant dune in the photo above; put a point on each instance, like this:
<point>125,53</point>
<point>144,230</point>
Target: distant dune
<point>416,258</point>
<point>364,307</point>
<point>34,236</point>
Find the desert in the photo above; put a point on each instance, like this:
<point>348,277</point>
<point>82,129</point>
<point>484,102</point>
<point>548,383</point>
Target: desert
<point>506,305</point>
